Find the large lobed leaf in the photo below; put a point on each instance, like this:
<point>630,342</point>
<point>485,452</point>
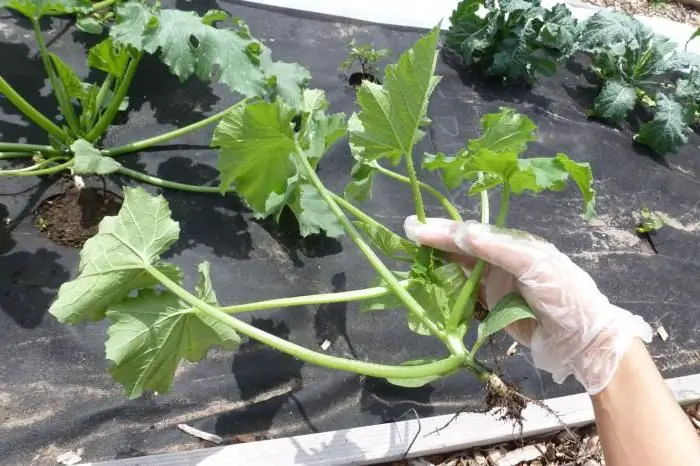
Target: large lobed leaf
<point>191,46</point>
<point>152,332</point>
<point>115,261</point>
<point>392,114</point>
<point>257,146</point>
<point>615,101</point>
<point>666,131</point>
<point>89,161</point>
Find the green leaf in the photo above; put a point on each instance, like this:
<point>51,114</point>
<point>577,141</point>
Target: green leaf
<point>109,57</point>
<point>582,175</point>
<point>90,161</point>
<point>666,132</point>
<point>560,30</point>
<point>606,28</point>
<point>392,245</point>
<point>90,26</point>
<point>256,145</point>
<point>38,8</point>
<point>151,334</point>
<point>469,34</point>
<point>419,381</point>
<point>615,101</point>
<point>511,308</point>
<point>436,291</point>
<point>313,213</point>
<point>116,260</point>
<point>505,131</point>
<point>190,46</point>
<point>392,114</point>
<point>693,36</point>
<point>360,188</point>
<point>71,81</point>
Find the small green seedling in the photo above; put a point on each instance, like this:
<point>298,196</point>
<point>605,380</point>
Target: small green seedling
<point>367,57</point>
<point>649,222</point>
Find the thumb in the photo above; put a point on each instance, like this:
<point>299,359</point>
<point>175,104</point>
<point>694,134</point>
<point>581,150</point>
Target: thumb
<point>513,251</point>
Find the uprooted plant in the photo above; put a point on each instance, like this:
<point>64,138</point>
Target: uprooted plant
<point>270,158</point>
<point>188,44</point>
<point>367,57</point>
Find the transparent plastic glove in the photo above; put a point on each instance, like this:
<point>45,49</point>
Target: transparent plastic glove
<point>578,331</point>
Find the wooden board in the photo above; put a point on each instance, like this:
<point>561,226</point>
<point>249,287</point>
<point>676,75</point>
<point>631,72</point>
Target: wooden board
<point>388,442</point>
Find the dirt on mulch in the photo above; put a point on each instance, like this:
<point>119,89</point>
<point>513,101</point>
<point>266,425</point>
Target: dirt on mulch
<point>72,217</point>
<point>573,447</point>
<point>662,8</point>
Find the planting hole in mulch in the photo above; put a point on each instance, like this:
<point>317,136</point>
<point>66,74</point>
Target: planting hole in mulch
<point>72,217</point>
<point>355,79</point>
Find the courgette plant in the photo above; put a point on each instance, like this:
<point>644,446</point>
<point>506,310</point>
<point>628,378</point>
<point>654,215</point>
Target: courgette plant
<point>269,158</point>
<point>190,45</point>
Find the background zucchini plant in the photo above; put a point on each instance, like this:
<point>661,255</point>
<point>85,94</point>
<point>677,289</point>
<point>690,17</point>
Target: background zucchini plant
<point>635,68</point>
<point>187,43</point>
<point>269,157</point>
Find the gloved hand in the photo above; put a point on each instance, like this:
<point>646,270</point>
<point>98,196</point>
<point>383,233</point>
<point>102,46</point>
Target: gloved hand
<point>577,330</point>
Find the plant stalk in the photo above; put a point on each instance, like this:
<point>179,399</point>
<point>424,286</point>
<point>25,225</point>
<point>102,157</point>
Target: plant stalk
<point>113,108</point>
<point>411,304</point>
<point>18,147</point>
<point>503,209</point>
<point>311,300</point>
<point>101,94</point>
<point>446,204</point>
<point>36,170</point>
<point>58,88</point>
<point>415,187</point>
<point>30,112</point>
<point>443,366</point>
<point>354,211</point>
<point>140,145</point>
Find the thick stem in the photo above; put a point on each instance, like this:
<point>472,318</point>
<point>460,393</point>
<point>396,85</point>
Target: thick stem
<point>58,89</point>
<point>463,309</point>
<point>411,304</point>
<point>101,94</point>
<point>113,108</point>
<point>311,300</point>
<point>39,172</point>
<point>18,147</point>
<point>446,204</point>
<point>415,187</point>
<point>503,209</point>
<point>155,181</point>
<point>16,155</point>
<point>359,367</point>
<point>140,145</point>
<point>354,211</point>
<point>30,112</point>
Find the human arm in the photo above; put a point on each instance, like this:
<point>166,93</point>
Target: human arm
<point>578,331</point>
<point>639,421</point>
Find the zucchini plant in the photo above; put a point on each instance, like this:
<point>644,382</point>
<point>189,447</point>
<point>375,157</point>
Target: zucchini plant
<point>189,45</point>
<point>269,157</point>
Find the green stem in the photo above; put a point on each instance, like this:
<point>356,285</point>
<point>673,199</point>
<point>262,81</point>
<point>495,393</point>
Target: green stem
<point>411,304</point>
<point>446,204</point>
<point>101,94</point>
<point>17,147</point>
<point>30,112</point>
<point>34,172</point>
<point>463,309</point>
<point>113,108</point>
<point>503,209</point>
<point>155,181</point>
<point>58,88</point>
<point>15,155</point>
<point>140,145</point>
<point>332,362</point>
<point>415,187</point>
<point>354,211</point>
<point>311,300</point>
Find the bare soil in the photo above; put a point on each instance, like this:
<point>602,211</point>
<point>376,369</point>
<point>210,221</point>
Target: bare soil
<point>72,217</point>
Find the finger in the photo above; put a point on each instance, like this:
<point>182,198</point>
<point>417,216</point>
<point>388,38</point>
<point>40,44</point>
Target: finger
<point>513,251</point>
<point>435,232</point>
